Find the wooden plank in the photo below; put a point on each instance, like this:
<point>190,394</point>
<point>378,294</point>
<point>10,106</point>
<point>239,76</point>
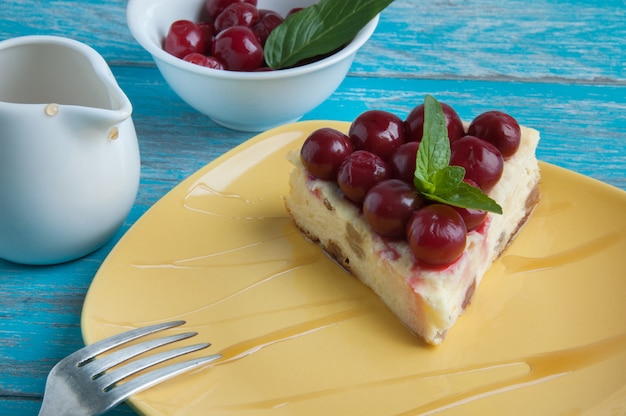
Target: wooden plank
<point>489,39</point>
<point>485,39</point>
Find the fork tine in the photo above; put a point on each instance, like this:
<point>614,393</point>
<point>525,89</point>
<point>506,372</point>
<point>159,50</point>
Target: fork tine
<point>140,383</point>
<point>90,351</point>
<point>100,365</point>
<point>80,384</point>
<point>107,380</point>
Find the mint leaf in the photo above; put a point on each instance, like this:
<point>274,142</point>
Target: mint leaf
<point>467,196</point>
<point>448,179</point>
<point>318,30</point>
<point>436,154</point>
<point>434,177</point>
<point>434,150</point>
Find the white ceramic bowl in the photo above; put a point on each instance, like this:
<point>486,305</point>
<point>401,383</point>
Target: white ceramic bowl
<point>247,101</point>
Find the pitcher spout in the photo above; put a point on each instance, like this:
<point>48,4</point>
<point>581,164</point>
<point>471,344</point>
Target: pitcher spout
<point>67,77</point>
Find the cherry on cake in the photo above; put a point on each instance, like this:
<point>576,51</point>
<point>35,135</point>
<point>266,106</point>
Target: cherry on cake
<point>417,209</point>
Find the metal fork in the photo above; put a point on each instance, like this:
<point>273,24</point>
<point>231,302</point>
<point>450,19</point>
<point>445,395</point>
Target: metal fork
<point>79,385</point>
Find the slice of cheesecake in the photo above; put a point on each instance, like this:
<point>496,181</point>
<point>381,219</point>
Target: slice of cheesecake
<point>427,300</point>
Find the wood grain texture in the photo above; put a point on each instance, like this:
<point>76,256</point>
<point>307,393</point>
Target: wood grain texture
<point>556,65</point>
<point>548,40</point>
<point>567,40</point>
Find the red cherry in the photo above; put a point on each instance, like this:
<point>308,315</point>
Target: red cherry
<point>237,14</point>
<point>359,172</point>
<point>208,30</point>
<point>323,151</point>
<point>215,7</point>
<point>402,162</point>
<point>472,218</point>
<point>388,205</point>
<point>184,37</point>
<point>377,131</point>
<point>294,11</point>
<point>499,129</point>
<point>414,123</point>
<point>266,24</point>
<point>238,49</point>
<point>203,60</point>
<point>482,161</point>
<point>436,235</point>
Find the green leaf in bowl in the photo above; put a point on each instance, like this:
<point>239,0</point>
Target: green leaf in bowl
<point>318,30</point>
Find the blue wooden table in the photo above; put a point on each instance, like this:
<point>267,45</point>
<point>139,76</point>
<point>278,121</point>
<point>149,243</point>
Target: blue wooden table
<point>556,65</point>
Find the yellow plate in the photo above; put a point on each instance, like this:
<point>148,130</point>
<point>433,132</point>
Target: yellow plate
<point>545,334</point>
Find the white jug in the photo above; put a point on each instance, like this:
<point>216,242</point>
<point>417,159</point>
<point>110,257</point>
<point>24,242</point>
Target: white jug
<point>69,158</point>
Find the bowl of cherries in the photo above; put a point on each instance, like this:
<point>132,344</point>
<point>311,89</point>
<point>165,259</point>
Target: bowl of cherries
<point>214,55</point>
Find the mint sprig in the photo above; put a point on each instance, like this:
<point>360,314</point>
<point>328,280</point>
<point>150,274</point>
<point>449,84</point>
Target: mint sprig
<point>319,29</point>
<point>434,177</point>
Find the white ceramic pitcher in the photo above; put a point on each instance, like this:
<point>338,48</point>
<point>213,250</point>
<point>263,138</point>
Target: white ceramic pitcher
<point>69,159</point>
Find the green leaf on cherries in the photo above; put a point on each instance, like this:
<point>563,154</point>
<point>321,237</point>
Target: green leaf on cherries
<point>434,177</point>
<point>318,30</point>
<point>448,179</point>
